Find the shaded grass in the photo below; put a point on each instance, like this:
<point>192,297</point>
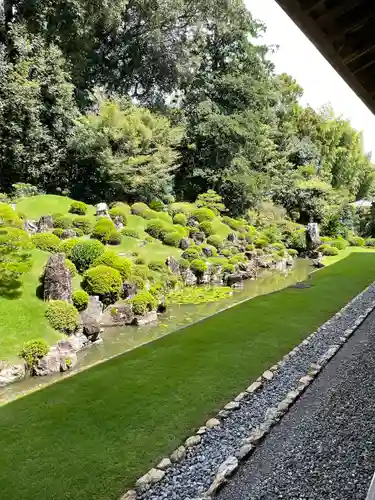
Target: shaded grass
<point>343,254</point>
<point>22,315</point>
<point>89,436</point>
<point>47,204</point>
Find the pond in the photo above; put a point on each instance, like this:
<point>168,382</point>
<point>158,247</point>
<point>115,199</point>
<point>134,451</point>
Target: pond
<point>119,340</point>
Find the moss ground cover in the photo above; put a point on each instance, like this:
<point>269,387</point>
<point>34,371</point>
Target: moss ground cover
<point>47,204</point>
<point>120,417</point>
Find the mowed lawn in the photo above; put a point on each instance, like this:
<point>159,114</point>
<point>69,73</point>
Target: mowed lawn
<point>90,436</point>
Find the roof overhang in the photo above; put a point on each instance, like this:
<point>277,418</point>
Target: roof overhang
<point>344,32</point>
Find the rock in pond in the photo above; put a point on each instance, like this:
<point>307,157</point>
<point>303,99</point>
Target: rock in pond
<point>91,319</point>
<point>57,279</point>
<point>11,373</point>
<point>118,314</point>
<point>145,319</point>
<point>233,279</point>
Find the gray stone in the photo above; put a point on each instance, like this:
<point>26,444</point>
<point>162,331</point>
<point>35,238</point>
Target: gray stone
<point>153,476</point>
<point>212,422</point>
<point>67,234</point>
<point>255,386</point>
<point>91,319</point>
<point>173,265</point>
<point>305,381</point>
<point>244,451</point>
<point>118,314</point>
<point>129,290</point>
<point>192,222</point>
<point>185,243</point>
<point>101,210</point>
<point>312,237</point>
<point>240,396</point>
<point>256,435</point>
<point>118,222</point>
<point>44,224</point>
<point>129,495</point>
<point>207,252</point>
<point>192,441</point>
<point>146,318</point>
<point>57,280</point>
<point>30,226</point>
<point>164,464</point>
<point>232,279</point>
<point>178,454</point>
<point>267,375</point>
<point>226,469</point>
<point>202,430</point>
<point>49,364</point>
<point>11,373</point>
<point>232,237</point>
<point>92,329</point>
<point>199,237</point>
<point>232,405</point>
<point>188,277</point>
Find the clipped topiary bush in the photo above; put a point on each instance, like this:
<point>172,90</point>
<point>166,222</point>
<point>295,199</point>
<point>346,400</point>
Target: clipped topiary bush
<point>261,243</point>
<point>207,228</point>
<point>215,241</point>
<point>370,242</point>
<point>78,207</point>
<point>292,252</point>
<point>172,239</point>
<point>114,238</point>
<point>236,259</point>
<point>158,290</point>
<point>80,300</point>
<point>67,246</point>
<point>8,216</point>
<point>140,260</point>
<point>118,212</point>
<point>157,205</point>
<point>83,223</point>
<point>233,223</point>
<point>339,244</point>
<point>226,252</point>
<point>250,248</point>
<point>203,214</point>
<point>357,241</point>
<point>62,316</point>
<point>139,208</point>
<point>198,266</point>
<point>130,232</point>
<point>46,241</point>
<point>157,228</point>
<point>143,302</point>
<point>328,250</point>
<point>58,232</point>
<point>62,221</point>
<point>278,246</point>
<point>103,281</point>
<point>191,253</point>
<point>84,253</point>
<point>184,264</point>
<point>32,351</point>
<point>156,265</point>
<point>103,229</point>
<point>72,268</point>
<point>228,268</point>
<point>141,270</point>
<point>180,219</point>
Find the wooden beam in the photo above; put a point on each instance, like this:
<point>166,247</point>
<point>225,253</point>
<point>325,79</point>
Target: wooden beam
<point>357,55</point>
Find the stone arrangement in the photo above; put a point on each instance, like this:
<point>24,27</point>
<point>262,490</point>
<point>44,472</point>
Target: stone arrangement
<point>201,465</point>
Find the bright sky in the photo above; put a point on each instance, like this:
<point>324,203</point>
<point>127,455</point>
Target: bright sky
<point>298,57</point>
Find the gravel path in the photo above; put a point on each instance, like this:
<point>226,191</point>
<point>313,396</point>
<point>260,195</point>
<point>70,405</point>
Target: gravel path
<point>277,467</point>
<point>324,448</point>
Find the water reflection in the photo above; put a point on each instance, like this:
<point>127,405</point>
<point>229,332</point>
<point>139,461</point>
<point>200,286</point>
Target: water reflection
<point>119,340</point>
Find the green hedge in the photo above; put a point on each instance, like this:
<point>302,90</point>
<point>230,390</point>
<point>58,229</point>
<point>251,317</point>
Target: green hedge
<point>103,281</point>
<point>78,207</point>
<point>203,214</point>
<point>84,253</point>
<point>46,241</point>
<point>83,223</point>
<point>328,250</point>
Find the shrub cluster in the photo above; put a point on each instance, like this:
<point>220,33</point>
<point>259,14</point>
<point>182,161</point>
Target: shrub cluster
<point>198,266</point>
<point>58,232</point>
<point>207,227</point>
<point>111,259</point>
<point>62,316</point>
<point>8,216</point>
<point>84,253</point>
<point>83,223</point>
<point>191,253</point>
<point>46,241</point>
<point>32,351</point>
<point>80,300</point>
<point>261,243</point>
<point>228,268</point>
<point>370,242</point>
<point>103,281</point>
<point>78,207</point>
<point>67,246</point>
<point>143,302</point>
<point>157,205</point>
<point>357,241</point>
<point>215,241</point>
<point>180,219</point>
<point>62,221</point>
<point>203,214</point>
<point>130,232</point>
<point>340,244</point>
<point>103,230</point>
<point>328,250</point>
<point>139,208</point>
<point>72,268</point>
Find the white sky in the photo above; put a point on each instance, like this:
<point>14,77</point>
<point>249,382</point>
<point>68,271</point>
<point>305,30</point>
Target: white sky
<point>298,57</point>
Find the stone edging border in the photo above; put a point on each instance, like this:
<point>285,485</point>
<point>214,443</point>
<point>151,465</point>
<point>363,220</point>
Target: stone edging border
<point>258,433</point>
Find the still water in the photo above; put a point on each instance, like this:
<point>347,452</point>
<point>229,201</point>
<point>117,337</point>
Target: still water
<point>119,340</point>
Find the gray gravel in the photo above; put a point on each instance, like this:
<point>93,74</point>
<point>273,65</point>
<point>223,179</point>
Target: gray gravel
<point>324,448</point>
<point>193,475</point>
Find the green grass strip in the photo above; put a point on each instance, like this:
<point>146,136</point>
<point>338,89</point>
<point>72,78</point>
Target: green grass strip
<point>89,436</point>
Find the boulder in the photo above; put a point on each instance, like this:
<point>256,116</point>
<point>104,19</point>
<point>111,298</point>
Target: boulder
<point>188,277</point>
<point>232,237</point>
<point>91,319</point>
<point>318,263</point>
<point>185,243</point>
<point>101,210</point>
<point>232,279</point>
<point>118,222</point>
<point>11,373</point>
<point>30,226</point>
<point>207,252</point>
<point>312,237</point>
<point>162,306</point>
<point>68,233</point>
<point>173,265</point>
<point>192,222</point>
<point>129,290</point>
<point>118,315</point>
<point>145,319</point>
<point>48,364</point>
<point>45,223</point>
<point>57,279</point>
<point>92,330</point>
<point>199,238</point>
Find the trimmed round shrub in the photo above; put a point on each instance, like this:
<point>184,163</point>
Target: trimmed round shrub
<point>103,229</point>
<point>156,265</point>
<point>141,270</point>
<point>130,232</point>
<point>357,241</point>
<point>218,261</point>
<point>103,281</point>
<point>78,207</point>
<point>215,241</point>
<point>233,223</point>
<point>83,223</point>
<point>140,260</point>
<point>261,243</point>
<point>149,214</point>
<point>139,208</point>
<point>84,253</point>
<point>328,250</point>
<point>226,252</point>
<point>180,219</point>
<point>236,259</point>
<point>198,266</point>
<point>137,281</point>
<point>250,248</point>
<point>339,244</point>
<point>157,205</point>
<point>207,227</point>
<point>114,238</point>
<point>281,253</point>
<point>79,232</point>
<point>210,247</point>
<point>157,228</point>
<point>278,246</point>
<point>158,289</point>
<point>72,268</point>
<point>67,246</point>
<point>62,316</point>
<point>58,232</point>
<point>370,242</point>
<point>80,300</point>
<point>111,259</point>
<point>292,252</point>
<point>228,268</point>
<point>181,230</point>
<point>115,212</point>
<point>202,214</point>
<point>184,264</point>
<point>193,230</point>
<point>62,221</point>
<point>46,241</point>
<point>325,239</point>
<point>32,351</point>
<point>191,253</point>
<point>143,302</point>
<point>172,239</point>
<point>8,217</point>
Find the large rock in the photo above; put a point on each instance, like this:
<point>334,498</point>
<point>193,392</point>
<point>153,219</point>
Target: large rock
<point>45,223</point>
<point>233,279</point>
<point>185,243</point>
<point>91,319</point>
<point>118,222</point>
<point>129,290</point>
<point>118,315</point>
<point>145,319</point>
<point>312,237</point>
<point>188,277</point>
<point>199,238</point>
<point>101,210</point>
<point>30,226</point>
<point>11,373</point>
<point>61,357</point>
<point>173,265</point>
<point>207,251</point>
<point>57,279</point>
<point>232,237</point>
<point>192,222</point>
<point>68,233</point>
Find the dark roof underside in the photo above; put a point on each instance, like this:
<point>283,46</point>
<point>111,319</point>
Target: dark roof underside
<point>344,32</point>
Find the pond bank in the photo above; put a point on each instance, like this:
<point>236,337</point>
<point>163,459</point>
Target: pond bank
<point>119,340</point>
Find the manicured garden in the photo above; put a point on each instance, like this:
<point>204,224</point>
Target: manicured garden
<point>91,435</point>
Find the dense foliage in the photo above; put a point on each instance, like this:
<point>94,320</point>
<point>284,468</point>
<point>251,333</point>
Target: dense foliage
<point>103,281</point>
<point>62,316</point>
